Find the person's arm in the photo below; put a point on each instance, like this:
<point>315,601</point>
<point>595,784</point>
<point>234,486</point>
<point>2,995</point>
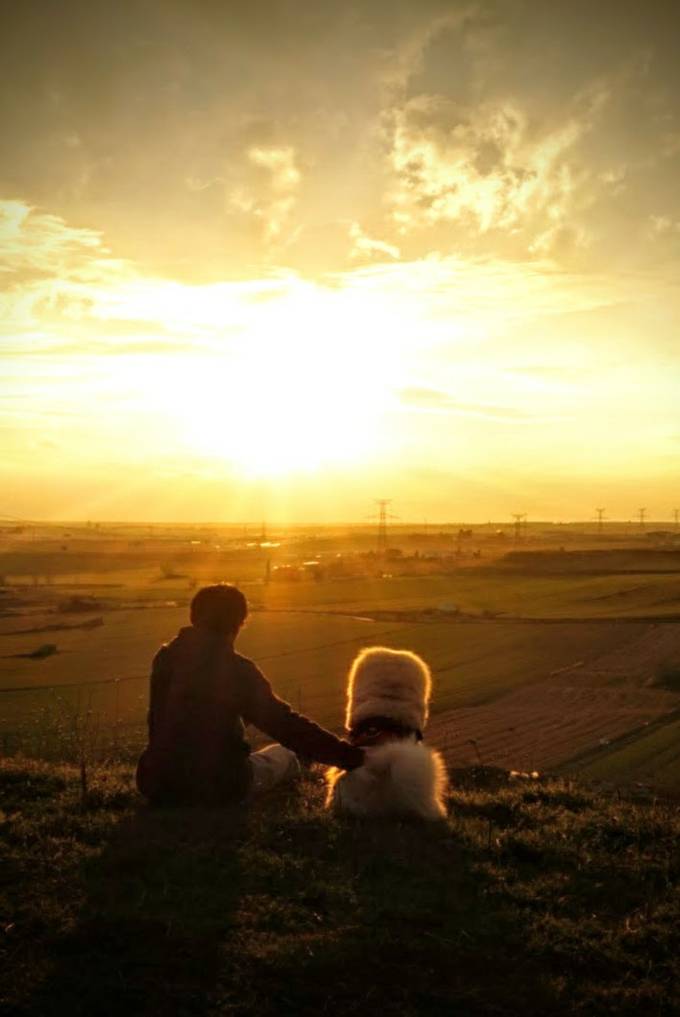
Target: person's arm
<point>278,719</point>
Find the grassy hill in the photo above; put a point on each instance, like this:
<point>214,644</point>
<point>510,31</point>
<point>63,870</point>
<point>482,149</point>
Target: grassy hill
<point>535,897</point>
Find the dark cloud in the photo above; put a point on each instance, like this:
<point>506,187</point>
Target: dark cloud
<point>136,119</point>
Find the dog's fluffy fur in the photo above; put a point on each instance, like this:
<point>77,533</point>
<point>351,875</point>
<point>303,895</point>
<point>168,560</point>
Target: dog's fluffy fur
<point>388,683</point>
<point>401,776</point>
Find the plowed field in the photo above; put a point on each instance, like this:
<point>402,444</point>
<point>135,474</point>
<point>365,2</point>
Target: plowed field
<point>579,710</point>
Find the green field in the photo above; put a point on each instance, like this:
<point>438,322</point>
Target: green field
<point>651,756</point>
<point>516,587</point>
<point>306,656</point>
<point>487,631</point>
<point>492,590</point>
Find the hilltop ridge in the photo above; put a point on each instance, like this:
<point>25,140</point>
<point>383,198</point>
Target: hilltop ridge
<point>537,896</point>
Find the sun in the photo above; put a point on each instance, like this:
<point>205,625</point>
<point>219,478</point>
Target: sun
<point>294,399</point>
<point>282,414</point>
<point>272,387</point>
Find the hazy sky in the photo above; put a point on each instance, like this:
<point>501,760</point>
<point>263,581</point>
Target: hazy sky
<point>278,259</point>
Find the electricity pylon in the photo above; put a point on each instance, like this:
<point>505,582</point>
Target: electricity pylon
<point>383,516</point>
<point>600,517</point>
<point>641,516</point>
<point>518,517</point>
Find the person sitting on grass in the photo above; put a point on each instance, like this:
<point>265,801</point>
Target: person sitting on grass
<point>202,693</point>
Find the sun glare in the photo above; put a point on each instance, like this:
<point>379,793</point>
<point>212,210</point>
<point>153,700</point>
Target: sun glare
<point>301,388</point>
<point>281,415</point>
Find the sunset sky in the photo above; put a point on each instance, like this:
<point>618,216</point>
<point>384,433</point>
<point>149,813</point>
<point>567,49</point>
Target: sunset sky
<point>278,259</point>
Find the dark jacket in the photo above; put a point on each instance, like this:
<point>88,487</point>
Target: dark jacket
<point>202,692</point>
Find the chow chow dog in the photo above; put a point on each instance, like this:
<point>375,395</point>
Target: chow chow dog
<point>388,693</point>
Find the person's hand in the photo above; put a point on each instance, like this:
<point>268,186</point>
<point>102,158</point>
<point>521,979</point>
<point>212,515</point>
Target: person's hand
<point>359,758</point>
<point>375,761</point>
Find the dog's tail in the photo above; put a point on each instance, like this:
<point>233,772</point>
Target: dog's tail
<point>416,775</point>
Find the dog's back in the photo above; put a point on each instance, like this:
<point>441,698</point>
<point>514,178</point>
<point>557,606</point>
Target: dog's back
<point>399,778</point>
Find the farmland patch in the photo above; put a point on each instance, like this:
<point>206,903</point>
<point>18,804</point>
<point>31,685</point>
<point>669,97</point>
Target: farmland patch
<point>652,756</point>
<point>542,726</point>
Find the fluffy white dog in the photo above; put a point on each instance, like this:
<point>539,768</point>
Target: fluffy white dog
<point>388,694</point>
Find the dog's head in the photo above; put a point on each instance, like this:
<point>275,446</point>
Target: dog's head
<point>388,683</point>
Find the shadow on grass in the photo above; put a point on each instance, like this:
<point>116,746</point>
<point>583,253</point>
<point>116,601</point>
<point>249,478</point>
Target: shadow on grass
<point>280,910</point>
<point>536,900</point>
<point>384,916</point>
<point>157,906</point>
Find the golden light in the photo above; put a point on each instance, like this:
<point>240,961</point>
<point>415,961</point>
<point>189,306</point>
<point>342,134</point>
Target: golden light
<point>276,411</point>
<point>289,384</point>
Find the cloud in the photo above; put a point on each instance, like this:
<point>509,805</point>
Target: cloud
<point>197,184</point>
<point>364,247</point>
<point>406,56</point>
<point>76,294</point>
<point>268,196</point>
<point>281,164</point>
<point>663,225</point>
<point>51,267</point>
<point>64,287</point>
<point>35,242</point>
<point>433,400</point>
<point>488,168</point>
<point>562,373</point>
<point>486,109</point>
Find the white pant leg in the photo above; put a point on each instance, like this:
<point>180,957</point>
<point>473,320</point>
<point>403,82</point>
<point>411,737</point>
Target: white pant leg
<point>273,765</point>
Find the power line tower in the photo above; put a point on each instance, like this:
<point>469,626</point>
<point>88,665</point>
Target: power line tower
<point>676,517</point>
<point>519,517</point>
<point>383,516</point>
<point>642,512</point>
<point>600,517</point>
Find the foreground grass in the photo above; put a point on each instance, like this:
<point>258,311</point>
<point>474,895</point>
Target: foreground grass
<point>535,898</point>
